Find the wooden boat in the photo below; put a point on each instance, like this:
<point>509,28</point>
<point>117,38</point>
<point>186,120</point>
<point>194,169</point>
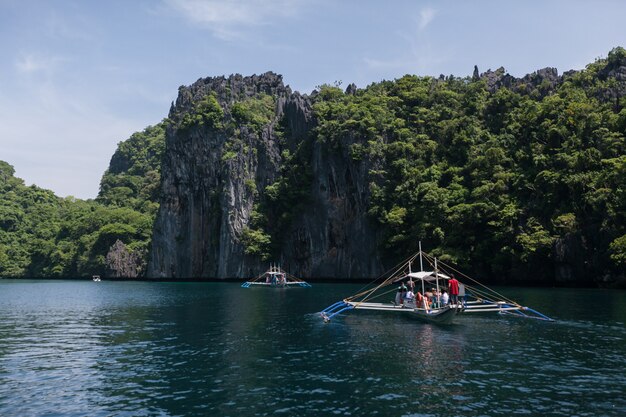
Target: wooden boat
<point>275,277</point>
<point>430,302</point>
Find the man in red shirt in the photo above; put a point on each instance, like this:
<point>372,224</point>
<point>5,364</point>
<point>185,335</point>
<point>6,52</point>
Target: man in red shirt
<point>453,286</point>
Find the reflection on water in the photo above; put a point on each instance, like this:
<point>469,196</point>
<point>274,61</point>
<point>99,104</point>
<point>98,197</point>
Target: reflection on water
<point>177,349</point>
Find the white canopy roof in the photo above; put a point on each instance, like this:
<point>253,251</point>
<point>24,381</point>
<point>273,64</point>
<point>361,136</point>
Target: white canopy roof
<point>427,275</point>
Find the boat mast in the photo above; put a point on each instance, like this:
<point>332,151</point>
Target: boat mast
<point>421,266</point>
<point>437,281</point>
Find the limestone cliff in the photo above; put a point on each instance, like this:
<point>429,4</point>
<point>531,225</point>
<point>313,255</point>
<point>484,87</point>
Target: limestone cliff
<point>219,160</point>
<point>485,171</point>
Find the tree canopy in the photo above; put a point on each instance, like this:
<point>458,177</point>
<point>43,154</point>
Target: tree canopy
<point>42,235</point>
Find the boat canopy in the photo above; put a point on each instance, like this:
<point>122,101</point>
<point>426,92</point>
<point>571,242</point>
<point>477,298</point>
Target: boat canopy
<point>427,276</point>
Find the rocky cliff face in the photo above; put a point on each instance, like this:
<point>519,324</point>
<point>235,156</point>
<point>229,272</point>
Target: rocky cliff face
<point>333,236</point>
<point>546,80</point>
<point>249,177</point>
<point>214,173</point>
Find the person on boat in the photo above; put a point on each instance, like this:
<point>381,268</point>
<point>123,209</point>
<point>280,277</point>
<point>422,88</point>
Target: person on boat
<point>436,300</point>
<point>453,286</point>
<point>408,297</point>
<point>400,294</point>
<point>419,300</point>
<point>445,298</point>
<point>398,299</point>
<point>429,296</point>
<point>411,284</point>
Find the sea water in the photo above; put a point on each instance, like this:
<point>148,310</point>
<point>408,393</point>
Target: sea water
<point>82,348</point>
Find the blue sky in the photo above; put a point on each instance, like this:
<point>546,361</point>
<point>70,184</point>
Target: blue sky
<point>78,77</point>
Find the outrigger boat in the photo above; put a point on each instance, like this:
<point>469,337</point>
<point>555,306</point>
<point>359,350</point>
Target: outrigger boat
<point>429,304</point>
<point>275,277</point>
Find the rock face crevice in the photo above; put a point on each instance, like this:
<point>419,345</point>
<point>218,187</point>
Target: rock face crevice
<point>334,237</point>
<point>213,176</point>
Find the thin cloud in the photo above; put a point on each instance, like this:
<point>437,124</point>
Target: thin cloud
<point>228,18</point>
<point>73,28</point>
<point>384,64</point>
<point>28,64</point>
<point>418,54</point>
<point>426,16</point>
<point>31,63</point>
<point>423,63</point>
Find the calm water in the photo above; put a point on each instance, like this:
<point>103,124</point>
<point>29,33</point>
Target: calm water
<point>191,349</point>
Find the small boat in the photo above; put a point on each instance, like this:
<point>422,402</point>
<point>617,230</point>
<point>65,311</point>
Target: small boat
<point>438,298</point>
<point>96,278</point>
<point>275,277</point>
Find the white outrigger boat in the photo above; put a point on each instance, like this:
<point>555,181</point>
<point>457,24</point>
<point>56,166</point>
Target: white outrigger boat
<point>275,277</point>
<point>429,303</point>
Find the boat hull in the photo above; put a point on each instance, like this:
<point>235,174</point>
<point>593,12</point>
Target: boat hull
<point>440,316</point>
<point>443,315</point>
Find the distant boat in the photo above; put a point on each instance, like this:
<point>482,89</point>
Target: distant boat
<point>275,277</point>
<point>96,278</point>
<point>428,302</point>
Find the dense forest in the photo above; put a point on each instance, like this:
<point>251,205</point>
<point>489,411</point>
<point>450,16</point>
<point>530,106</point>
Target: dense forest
<point>505,176</point>
<point>510,180</point>
<point>42,235</point>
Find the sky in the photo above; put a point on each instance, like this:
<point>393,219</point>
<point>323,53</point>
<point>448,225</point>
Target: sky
<point>79,76</point>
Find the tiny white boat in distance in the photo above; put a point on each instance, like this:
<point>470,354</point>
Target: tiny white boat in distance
<point>275,277</point>
<point>434,296</point>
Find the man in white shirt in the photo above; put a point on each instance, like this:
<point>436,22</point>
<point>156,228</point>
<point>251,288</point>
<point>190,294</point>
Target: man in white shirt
<point>445,298</point>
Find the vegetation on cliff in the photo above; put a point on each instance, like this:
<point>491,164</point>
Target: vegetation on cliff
<point>42,235</point>
<point>505,177</point>
<point>495,180</point>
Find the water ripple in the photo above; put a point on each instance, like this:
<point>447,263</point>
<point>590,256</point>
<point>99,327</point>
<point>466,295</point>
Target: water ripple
<point>140,349</point>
